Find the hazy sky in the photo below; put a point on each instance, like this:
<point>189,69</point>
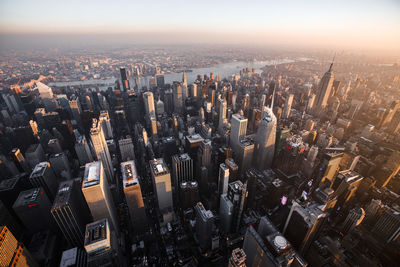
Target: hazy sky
<point>364,24</point>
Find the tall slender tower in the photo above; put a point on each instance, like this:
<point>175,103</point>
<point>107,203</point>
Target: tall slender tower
<point>324,90</point>
<point>149,104</point>
<point>265,140</point>
<point>222,114</point>
<point>101,149</point>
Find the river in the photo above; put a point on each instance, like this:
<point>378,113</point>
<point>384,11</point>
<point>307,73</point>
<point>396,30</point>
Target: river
<point>224,70</point>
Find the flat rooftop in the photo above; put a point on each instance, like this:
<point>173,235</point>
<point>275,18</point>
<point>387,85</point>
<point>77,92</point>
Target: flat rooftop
<point>195,138</point>
<point>158,167</point>
<point>96,232</point>
<point>39,169</point>
<point>92,174</point>
<point>129,174</point>
<point>28,198</point>
<point>63,194</point>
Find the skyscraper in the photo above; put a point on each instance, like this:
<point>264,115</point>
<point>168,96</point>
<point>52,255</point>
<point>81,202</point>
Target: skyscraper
<point>238,130</point>
<point>162,187</point>
<point>232,206</point>
<point>82,150</point>
<point>126,149</point>
<point>74,257</point>
<point>387,227</point>
<point>97,194</point>
<point>124,79</point>
<point>288,106</point>
<point>222,114</point>
<point>302,225</point>
<point>265,140</point>
<point>223,179</point>
<point>101,244</point>
<point>353,219</point>
<point>44,176</point>
<point>324,91</point>
<point>71,212</point>
<point>104,119</point>
<point>149,104</point>
<point>13,253</point>
<point>204,225</point>
<point>238,258</point>
<point>177,94</point>
<point>33,209</point>
<point>101,149</point>
<point>268,247</point>
<point>133,196</point>
<point>182,169</point>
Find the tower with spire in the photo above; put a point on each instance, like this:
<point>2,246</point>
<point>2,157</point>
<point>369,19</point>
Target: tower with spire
<point>324,90</point>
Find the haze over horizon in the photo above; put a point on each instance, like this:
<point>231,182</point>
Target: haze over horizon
<point>353,25</point>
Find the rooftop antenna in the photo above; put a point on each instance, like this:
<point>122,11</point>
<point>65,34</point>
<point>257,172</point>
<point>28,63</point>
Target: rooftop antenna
<point>333,60</point>
<point>273,97</point>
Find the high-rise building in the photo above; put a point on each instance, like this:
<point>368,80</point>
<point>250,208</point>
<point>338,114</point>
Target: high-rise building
<point>182,169</point>
<point>303,224</point>
<point>232,206</point>
<point>177,95</point>
<point>162,186</point>
<point>387,227</point>
<point>265,140</point>
<point>238,130</point>
<point>19,160</point>
<point>82,150</point>
<point>244,157</point>
<point>74,257</point>
<point>238,258</point>
<point>44,90</point>
<point>133,196</point>
<point>60,164</point>
<point>71,212</point>
<point>268,247</point>
<point>126,149</point>
<point>97,194</point>
<point>101,244</point>
<point>288,106</point>
<point>34,155</point>
<point>101,149</point>
<point>124,79</point>
<point>13,253</point>
<point>223,179</point>
<point>324,91</point>
<point>204,154</point>
<point>160,80</point>
<point>222,114</point>
<point>204,225</point>
<point>149,104</point>
<point>44,176</point>
<point>33,209</point>
<point>355,217</point>
<point>233,169</point>
<point>104,120</point>
<point>76,108</point>
<point>329,168</point>
<point>345,185</point>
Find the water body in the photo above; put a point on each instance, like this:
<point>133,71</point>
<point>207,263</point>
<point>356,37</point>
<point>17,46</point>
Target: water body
<point>224,70</point>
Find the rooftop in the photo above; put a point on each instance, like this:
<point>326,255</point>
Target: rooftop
<point>63,194</point>
<point>129,174</point>
<point>96,232</point>
<point>39,169</point>
<point>29,197</point>
<point>158,167</point>
<point>92,174</point>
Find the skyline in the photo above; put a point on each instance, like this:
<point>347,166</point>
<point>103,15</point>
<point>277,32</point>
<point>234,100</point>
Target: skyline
<point>358,25</point>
